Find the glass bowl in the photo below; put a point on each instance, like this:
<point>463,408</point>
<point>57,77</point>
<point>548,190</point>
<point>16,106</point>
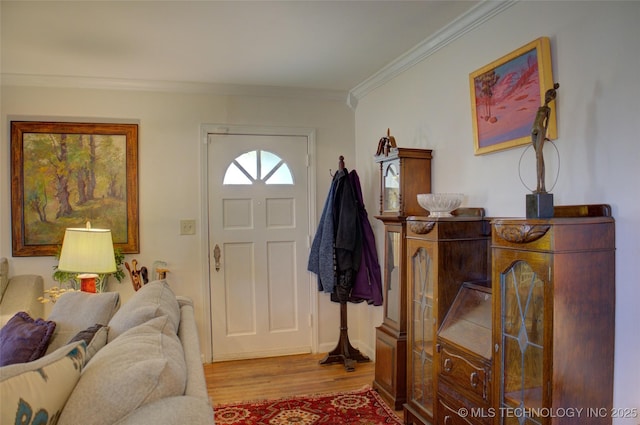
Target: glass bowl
<point>440,204</point>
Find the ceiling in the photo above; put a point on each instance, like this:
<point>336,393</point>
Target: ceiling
<point>316,45</point>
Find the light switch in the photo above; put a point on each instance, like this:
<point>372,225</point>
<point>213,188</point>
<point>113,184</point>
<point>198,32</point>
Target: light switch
<point>187,227</point>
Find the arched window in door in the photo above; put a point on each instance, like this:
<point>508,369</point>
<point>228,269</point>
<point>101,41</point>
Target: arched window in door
<point>258,165</point>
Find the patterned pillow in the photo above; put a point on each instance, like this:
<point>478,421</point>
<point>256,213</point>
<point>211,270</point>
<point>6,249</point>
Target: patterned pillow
<point>24,339</point>
<point>36,392</point>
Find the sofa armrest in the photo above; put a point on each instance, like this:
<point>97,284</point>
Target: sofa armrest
<point>184,301</point>
<point>188,334</point>
<point>22,295</point>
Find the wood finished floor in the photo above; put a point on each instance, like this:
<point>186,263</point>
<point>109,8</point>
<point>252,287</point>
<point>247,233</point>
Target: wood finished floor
<point>278,377</point>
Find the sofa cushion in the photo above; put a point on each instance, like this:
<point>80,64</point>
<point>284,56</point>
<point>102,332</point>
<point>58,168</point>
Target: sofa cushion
<point>174,410</point>
<point>152,300</point>
<point>24,339</point>
<point>76,311</point>
<point>94,336</point>
<point>144,364</point>
<point>36,392</point>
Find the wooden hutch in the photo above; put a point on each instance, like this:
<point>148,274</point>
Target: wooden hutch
<point>538,339</point>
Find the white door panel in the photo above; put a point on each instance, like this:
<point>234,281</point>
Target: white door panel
<point>261,292</point>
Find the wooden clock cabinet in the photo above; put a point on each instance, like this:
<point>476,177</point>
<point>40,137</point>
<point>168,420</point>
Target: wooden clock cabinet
<point>403,174</point>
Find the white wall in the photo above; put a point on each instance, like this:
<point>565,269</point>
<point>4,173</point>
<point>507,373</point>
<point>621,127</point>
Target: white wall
<point>169,170</point>
<point>596,60</point>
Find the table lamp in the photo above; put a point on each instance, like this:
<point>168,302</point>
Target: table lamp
<point>89,252</point>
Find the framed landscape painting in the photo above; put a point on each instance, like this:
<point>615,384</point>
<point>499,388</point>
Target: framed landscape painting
<point>65,174</point>
<point>506,94</point>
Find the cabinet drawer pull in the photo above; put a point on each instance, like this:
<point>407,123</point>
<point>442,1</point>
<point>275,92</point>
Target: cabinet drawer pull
<point>473,379</point>
<point>448,364</point>
<point>447,420</point>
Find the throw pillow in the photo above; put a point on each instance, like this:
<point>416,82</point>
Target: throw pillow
<point>152,300</point>
<point>76,311</point>
<point>36,392</point>
<point>142,365</point>
<point>87,335</point>
<point>94,336</point>
<point>24,339</point>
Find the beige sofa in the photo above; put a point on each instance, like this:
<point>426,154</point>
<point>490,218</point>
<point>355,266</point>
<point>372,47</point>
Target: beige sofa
<point>143,367</point>
<point>19,293</point>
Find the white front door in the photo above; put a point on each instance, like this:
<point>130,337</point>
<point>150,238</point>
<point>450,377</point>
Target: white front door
<point>258,238</point>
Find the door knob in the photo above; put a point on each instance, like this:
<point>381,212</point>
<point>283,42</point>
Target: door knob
<point>216,256</point>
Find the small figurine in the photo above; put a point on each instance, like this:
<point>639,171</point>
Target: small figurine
<point>385,144</point>
<point>138,277</point>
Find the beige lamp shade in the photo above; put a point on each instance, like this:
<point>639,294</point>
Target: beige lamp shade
<point>87,251</point>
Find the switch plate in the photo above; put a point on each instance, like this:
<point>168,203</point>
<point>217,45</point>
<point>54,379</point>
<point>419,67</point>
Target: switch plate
<point>187,227</point>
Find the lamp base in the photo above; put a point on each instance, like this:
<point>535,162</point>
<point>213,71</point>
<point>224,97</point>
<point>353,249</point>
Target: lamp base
<point>88,282</point>
<point>540,205</point>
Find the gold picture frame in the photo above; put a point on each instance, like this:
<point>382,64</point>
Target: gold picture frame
<point>64,174</point>
<point>506,94</point>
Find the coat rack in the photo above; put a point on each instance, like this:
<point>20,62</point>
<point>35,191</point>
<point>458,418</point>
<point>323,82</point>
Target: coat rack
<point>344,351</point>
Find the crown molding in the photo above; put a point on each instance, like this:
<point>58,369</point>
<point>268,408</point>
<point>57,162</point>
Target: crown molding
<point>56,81</point>
<point>457,28</point>
<point>476,16</point>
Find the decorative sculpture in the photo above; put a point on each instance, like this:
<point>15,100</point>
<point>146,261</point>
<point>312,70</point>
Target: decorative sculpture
<point>138,277</point>
<point>385,144</point>
<point>540,202</point>
<point>539,135</point>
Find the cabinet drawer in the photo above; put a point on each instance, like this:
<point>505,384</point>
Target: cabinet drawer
<point>448,413</point>
<point>464,372</point>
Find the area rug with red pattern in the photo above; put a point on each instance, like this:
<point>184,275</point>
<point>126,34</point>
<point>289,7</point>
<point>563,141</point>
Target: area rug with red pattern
<point>362,407</point>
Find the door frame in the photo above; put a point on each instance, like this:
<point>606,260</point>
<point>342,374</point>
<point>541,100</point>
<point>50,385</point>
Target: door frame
<point>205,131</point>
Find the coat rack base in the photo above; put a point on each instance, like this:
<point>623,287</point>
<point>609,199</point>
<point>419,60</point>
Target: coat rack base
<point>344,352</point>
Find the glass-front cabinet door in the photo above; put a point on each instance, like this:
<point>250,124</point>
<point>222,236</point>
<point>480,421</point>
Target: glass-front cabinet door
<point>521,360</point>
<point>393,271</point>
<point>391,336</point>
<point>422,327</point>
<point>524,306</point>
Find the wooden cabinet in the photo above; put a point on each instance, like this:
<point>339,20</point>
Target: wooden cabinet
<point>403,174</point>
<point>553,325</point>
<point>442,253</point>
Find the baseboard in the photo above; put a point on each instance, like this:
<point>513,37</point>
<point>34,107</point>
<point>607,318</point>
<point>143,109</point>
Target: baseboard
<point>262,354</point>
